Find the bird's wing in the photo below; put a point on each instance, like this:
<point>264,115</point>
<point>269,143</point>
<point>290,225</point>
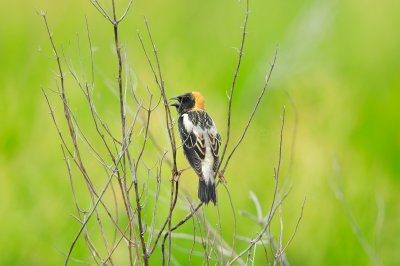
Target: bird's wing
<point>215,141</point>
<point>194,147</point>
<point>215,138</point>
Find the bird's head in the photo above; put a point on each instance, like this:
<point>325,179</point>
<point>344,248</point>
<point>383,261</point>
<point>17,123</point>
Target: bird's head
<point>189,101</point>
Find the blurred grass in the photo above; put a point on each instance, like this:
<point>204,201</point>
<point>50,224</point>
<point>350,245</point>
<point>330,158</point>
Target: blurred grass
<point>337,59</point>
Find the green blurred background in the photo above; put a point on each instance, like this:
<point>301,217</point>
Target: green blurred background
<point>338,61</point>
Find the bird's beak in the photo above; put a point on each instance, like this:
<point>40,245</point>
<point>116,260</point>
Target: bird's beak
<point>176,104</point>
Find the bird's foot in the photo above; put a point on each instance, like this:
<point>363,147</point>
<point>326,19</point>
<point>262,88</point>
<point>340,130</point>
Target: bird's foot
<point>176,177</point>
<point>222,178</point>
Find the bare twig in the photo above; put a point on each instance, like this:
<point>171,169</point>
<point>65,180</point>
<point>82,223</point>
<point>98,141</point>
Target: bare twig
<point>295,229</point>
<point>158,184</point>
<point>228,130</point>
<point>272,208</point>
<point>160,82</point>
<point>93,209</point>
<point>260,97</point>
<point>72,131</point>
<point>135,183</point>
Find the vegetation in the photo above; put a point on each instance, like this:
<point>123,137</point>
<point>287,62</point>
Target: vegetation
<point>335,74</point>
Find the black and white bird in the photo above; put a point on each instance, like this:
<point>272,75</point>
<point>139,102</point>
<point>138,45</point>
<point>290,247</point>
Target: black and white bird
<point>200,141</point>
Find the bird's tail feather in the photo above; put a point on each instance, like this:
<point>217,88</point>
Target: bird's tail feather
<point>207,192</point>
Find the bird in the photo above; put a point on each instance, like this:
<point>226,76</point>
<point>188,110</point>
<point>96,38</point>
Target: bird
<point>200,141</point>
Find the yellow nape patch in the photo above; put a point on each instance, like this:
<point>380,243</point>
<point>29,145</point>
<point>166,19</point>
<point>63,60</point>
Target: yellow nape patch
<point>199,101</point>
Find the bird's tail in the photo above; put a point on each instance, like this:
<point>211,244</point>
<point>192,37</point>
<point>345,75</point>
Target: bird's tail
<point>207,192</point>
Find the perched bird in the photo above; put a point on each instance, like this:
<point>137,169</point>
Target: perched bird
<point>200,141</point>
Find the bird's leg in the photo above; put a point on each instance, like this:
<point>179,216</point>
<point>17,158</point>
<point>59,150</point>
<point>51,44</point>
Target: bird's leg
<point>222,178</point>
<point>178,174</point>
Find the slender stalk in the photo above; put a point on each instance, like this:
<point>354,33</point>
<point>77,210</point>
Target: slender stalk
<point>232,91</point>
<point>272,208</point>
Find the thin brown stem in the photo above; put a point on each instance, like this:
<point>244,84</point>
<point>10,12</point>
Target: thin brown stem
<point>137,196</point>
<point>231,94</point>
<point>92,211</point>
<point>272,208</point>
<point>168,118</point>
<point>260,97</point>
<point>72,131</point>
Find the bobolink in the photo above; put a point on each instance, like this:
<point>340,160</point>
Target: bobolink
<point>200,141</point>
